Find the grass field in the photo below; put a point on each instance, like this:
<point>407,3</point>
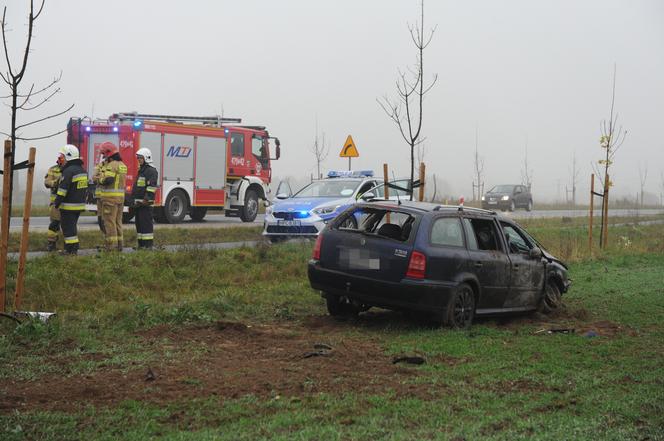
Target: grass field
<point>205,345</point>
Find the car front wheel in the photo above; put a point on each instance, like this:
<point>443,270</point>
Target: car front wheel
<point>552,299</point>
<point>461,308</point>
<point>529,207</point>
<point>512,206</point>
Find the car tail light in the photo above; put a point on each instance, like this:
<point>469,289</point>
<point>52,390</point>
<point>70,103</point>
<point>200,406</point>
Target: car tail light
<point>416,266</point>
<point>319,242</point>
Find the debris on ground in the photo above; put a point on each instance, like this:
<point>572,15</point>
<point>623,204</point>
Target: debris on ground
<point>555,331</point>
<point>150,375</point>
<point>409,360</point>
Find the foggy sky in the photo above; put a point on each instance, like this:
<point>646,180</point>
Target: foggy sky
<point>535,73</point>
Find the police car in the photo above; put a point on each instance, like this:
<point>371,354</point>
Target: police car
<point>306,212</point>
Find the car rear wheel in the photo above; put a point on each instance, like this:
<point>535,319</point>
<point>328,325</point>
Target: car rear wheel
<point>552,299</point>
<point>461,308</point>
<point>529,207</point>
<point>339,306</point>
<point>512,206</point>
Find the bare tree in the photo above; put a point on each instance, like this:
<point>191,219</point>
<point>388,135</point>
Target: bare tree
<point>35,97</point>
<point>478,182</point>
<point>612,138</point>
<point>421,152</point>
<point>526,172</point>
<point>320,150</point>
<point>406,110</point>
<point>643,175</point>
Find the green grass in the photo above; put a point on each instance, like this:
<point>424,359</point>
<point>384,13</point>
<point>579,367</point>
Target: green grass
<point>163,236</point>
<point>498,380</point>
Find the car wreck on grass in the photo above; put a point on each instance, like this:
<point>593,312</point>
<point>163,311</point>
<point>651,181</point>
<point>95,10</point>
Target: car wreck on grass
<point>453,262</point>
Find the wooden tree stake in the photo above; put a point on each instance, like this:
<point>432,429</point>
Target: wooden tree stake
<point>422,176</point>
<point>590,224</point>
<point>20,277</point>
<point>4,222</point>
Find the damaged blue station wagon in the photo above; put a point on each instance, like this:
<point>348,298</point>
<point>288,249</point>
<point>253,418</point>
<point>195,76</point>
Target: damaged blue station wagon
<point>453,262</point>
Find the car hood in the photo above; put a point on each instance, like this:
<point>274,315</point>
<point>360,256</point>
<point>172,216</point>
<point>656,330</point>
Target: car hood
<point>296,204</point>
<point>551,258</point>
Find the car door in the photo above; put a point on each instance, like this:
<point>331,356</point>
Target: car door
<point>527,273</point>
<point>447,256</point>
<point>488,261</point>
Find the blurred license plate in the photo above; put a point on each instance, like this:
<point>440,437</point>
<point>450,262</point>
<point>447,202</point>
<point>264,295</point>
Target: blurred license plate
<point>288,223</point>
<point>358,259</point>
<point>493,202</point>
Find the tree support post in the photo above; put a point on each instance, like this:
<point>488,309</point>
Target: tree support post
<point>4,221</point>
<point>20,277</point>
<point>422,175</point>
<point>590,217</point>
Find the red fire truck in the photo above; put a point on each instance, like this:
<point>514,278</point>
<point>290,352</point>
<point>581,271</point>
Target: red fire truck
<point>203,162</point>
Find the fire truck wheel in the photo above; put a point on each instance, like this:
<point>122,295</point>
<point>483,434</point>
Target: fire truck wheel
<point>176,207</point>
<point>198,213</point>
<point>250,210</point>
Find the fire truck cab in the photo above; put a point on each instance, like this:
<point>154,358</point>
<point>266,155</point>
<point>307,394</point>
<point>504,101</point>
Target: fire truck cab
<point>203,162</point>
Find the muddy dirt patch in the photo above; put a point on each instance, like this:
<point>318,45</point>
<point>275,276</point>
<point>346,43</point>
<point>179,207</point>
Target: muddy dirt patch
<point>227,360</point>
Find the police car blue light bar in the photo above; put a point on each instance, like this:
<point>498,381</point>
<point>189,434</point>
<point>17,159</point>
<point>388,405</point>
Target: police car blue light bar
<point>350,174</point>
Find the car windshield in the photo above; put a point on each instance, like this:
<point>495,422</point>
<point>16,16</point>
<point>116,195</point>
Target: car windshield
<point>329,188</point>
<point>502,189</point>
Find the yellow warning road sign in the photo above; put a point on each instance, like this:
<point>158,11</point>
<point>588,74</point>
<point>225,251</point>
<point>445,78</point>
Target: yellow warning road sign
<point>349,150</point>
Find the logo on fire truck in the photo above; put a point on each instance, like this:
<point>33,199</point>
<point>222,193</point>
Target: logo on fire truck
<point>179,151</point>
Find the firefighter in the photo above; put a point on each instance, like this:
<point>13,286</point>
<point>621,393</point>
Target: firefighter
<point>95,178</point>
<point>142,197</point>
<point>111,181</point>
<point>70,197</point>
<point>51,181</point>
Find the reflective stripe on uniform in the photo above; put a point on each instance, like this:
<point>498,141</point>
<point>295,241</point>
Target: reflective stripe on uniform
<point>79,177</point>
<point>140,182</point>
<point>145,236</point>
<point>111,192</point>
<point>71,206</point>
<point>109,173</point>
<point>52,197</point>
<point>151,189</point>
<point>62,192</point>
<point>51,235</point>
<point>72,239</point>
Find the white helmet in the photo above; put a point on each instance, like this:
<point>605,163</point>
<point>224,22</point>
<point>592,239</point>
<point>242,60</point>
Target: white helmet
<point>69,152</point>
<point>146,154</point>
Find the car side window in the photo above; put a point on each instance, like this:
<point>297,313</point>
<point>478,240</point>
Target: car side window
<point>516,242</point>
<point>365,187</point>
<point>471,240</point>
<point>447,231</point>
<point>486,234</point>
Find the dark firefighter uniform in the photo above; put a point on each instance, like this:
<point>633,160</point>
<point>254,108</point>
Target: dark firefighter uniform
<point>51,181</point>
<point>70,199</point>
<point>142,197</point>
<point>113,175</point>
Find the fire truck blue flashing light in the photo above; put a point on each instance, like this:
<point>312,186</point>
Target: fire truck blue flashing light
<point>226,131</point>
<point>350,174</point>
<point>115,128</point>
<point>138,124</point>
<point>88,128</point>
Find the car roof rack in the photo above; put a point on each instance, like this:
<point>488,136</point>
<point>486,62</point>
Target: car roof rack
<point>462,208</point>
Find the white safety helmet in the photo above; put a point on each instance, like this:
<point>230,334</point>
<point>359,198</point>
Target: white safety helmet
<point>69,152</point>
<point>146,154</point>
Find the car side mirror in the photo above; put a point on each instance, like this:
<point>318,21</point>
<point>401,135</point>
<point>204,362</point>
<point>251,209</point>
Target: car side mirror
<point>535,253</point>
<point>282,196</point>
<point>368,196</point>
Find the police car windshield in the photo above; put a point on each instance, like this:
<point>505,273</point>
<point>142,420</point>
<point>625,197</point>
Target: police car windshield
<point>329,188</point>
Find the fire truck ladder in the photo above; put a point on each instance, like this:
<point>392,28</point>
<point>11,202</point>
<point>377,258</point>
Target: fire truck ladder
<point>210,120</point>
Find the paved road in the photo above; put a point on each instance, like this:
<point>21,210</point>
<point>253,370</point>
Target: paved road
<point>90,223</point>
<point>221,221</point>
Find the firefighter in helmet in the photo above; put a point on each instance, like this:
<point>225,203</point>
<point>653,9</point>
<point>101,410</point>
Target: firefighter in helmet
<point>98,170</point>
<point>70,197</point>
<point>111,182</point>
<point>142,197</point>
<point>51,181</point>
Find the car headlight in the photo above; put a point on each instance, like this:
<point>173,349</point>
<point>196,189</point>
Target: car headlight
<point>506,198</point>
<point>325,210</point>
<point>483,198</point>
